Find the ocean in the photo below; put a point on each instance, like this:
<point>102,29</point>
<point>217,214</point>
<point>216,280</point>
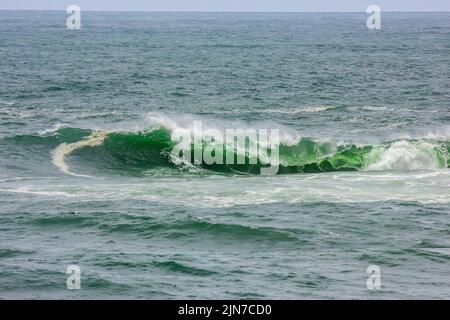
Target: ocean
<point>88,177</point>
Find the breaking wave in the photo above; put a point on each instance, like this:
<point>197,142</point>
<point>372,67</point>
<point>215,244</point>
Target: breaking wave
<point>154,149</point>
<point>86,152</point>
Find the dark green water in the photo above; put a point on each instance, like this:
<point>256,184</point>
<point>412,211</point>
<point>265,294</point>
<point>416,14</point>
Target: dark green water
<point>87,176</point>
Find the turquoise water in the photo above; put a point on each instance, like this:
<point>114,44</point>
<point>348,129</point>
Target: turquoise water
<point>87,176</point>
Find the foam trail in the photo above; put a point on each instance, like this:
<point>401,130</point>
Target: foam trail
<point>59,154</point>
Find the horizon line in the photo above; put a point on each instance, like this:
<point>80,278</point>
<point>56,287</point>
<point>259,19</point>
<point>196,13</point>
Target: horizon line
<point>229,11</point>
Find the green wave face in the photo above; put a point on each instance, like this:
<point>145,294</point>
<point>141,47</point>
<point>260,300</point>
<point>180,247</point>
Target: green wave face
<point>146,150</point>
<point>310,157</point>
<point>140,149</point>
<point>153,149</point>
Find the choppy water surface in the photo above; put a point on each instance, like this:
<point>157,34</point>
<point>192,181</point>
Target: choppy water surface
<point>87,177</point>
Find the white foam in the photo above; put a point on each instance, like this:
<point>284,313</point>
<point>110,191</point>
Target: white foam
<point>7,103</point>
<point>304,109</point>
<point>373,108</point>
<point>38,192</point>
<point>405,155</point>
<point>63,150</point>
<point>55,128</point>
<point>217,191</point>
